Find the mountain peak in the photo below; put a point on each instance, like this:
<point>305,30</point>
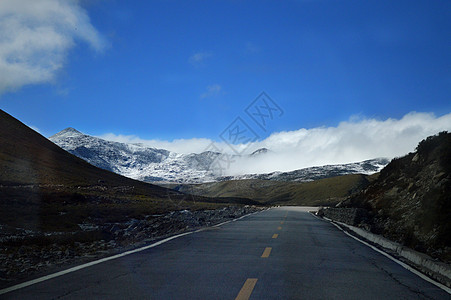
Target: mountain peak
<point>150,164</point>
<point>259,151</point>
<point>69,131</point>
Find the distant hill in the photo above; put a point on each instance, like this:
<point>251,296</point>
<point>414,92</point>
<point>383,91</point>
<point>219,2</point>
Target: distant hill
<point>366,167</point>
<point>154,165</point>
<point>410,202</point>
<point>137,161</point>
<point>327,191</point>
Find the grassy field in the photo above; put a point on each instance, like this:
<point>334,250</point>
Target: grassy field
<point>324,192</point>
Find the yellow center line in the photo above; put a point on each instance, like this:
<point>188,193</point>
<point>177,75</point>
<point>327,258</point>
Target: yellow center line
<point>247,289</point>
<point>275,236</point>
<point>266,252</point>
<point>279,228</point>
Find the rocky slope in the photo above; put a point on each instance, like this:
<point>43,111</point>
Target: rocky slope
<point>25,252</point>
<point>410,202</point>
<point>148,164</point>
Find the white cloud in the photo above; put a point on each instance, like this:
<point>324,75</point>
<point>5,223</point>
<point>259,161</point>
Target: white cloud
<point>350,141</point>
<point>212,90</point>
<point>194,145</point>
<point>198,58</point>
<point>35,37</point>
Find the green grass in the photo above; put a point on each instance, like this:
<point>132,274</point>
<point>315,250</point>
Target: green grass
<point>327,191</point>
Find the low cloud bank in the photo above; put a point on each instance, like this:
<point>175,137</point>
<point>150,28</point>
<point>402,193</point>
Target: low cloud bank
<point>350,141</point>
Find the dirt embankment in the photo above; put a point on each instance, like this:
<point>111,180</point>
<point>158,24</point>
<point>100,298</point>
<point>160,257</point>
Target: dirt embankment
<point>410,201</point>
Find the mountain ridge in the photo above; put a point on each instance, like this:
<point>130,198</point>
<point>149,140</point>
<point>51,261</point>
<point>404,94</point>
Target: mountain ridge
<point>155,165</point>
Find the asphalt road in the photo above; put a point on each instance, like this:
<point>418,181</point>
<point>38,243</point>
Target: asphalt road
<point>282,253</point>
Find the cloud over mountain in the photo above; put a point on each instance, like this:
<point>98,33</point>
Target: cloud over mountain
<point>350,141</point>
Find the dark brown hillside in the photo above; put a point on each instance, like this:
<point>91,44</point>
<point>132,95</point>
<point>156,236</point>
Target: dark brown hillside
<point>410,202</point>
<point>27,158</point>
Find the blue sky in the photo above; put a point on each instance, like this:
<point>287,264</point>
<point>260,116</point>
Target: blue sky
<point>185,69</point>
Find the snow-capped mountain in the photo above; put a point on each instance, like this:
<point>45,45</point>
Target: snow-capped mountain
<point>313,173</point>
<point>149,164</point>
<point>137,161</point>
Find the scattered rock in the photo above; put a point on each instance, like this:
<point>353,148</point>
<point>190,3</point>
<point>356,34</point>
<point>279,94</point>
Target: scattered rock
<point>24,252</point>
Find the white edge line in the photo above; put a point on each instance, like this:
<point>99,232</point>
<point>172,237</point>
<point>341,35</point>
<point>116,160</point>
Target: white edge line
<point>92,263</point>
<point>243,216</point>
<point>404,265</point>
<point>95,262</point>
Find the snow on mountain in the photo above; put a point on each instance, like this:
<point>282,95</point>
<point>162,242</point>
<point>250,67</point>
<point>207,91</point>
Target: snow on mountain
<point>313,173</point>
<point>137,161</point>
<point>149,164</point>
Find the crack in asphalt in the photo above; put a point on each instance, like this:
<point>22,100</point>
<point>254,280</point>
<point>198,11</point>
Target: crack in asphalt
<point>392,276</point>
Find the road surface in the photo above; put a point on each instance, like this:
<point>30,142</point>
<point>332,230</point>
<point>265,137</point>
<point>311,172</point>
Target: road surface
<point>281,253</point>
